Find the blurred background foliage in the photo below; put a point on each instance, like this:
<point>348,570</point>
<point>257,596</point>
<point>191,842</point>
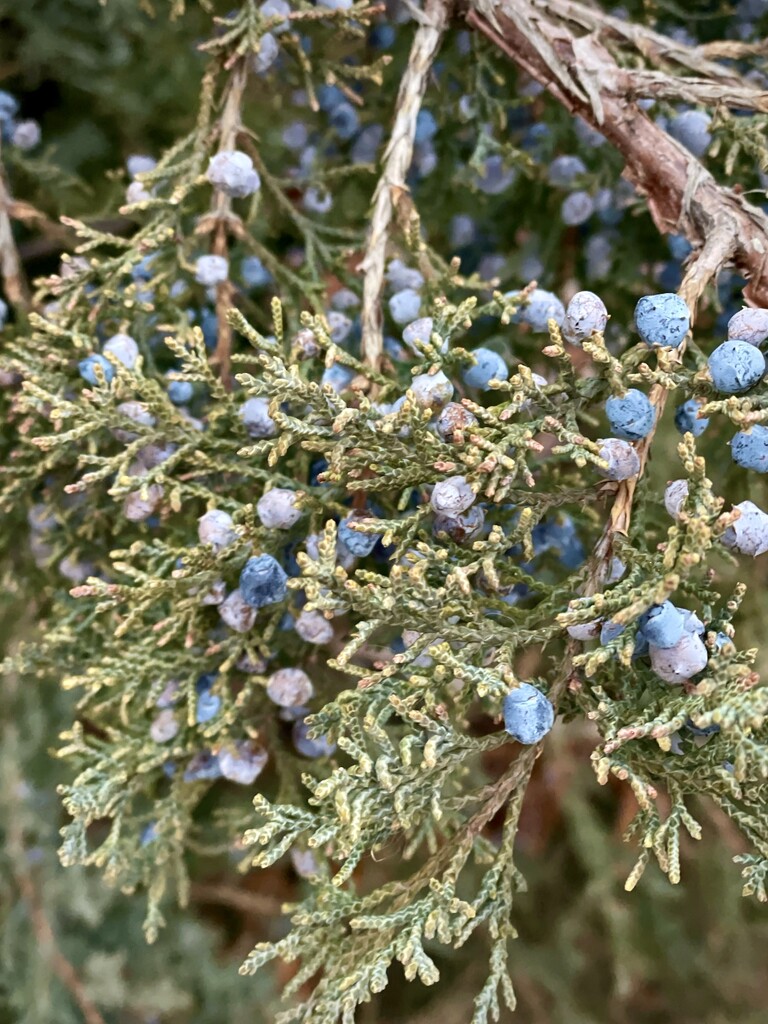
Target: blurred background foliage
<point>108,80</point>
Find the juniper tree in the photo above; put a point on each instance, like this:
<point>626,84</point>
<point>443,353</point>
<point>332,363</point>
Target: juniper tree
<point>336,473</point>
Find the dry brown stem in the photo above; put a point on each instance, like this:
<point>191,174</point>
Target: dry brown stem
<point>11,272</point>
<point>391,187</point>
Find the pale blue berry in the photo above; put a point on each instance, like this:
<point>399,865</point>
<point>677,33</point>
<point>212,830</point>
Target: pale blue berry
<point>277,9</point>
<point>611,630</point>
<point>399,276</point>
<point>204,765</point>
<point>263,581</point>
<point>140,164</point>
<point>232,172</point>
<point>431,390</point>
<point>290,687</point>
<point>180,391</point>
<point>277,509</point>
<point>236,613</point>
<point>623,461</point>
<point>338,377</point>
<point>256,419</point>
<point>577,208</point>
<point>564,169</point>
<point>452,496</point>
<point>736,366</point>
<point>488,366</point>
<point>267,54</point>
<point>631,416</point>
<point>687,419</point>
<point>749,449</point>
<point>317,200</point>
<point>208,705</point>
<point>254,273</point>
<point>404,306</point>
<point>123,348</point>
<point>677,664</point>
<point>528,715</point>
<point>243,764</point>
<point>662,319</point>
<point>87,369</point>
<point>26,134</point>
<point>358,543</point>
<point>211,270</point>
<point>749,534</point>
<point>691,128</point>
<point>454,420</point>
<point>541,307</point>
<point>663,625</point>
<point>310,746</point>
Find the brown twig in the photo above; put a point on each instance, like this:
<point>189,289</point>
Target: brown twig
<point>222,220</point>
<point>14,281</point>
<point>241,899</point>
<point>391,186</point>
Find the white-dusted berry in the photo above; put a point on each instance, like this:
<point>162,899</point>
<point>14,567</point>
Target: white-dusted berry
<point>138,506</point>
<point>675,496</point>
<point>137,193</point>
<point>233,173</point>
<point>26,134</point>
<point>304,863</point>
<point>452,496</point>
<point>431,390</point>
<point>123,348</point>
<point>139,163</point>
<point>585,314</point>
<point>255,416</point>
<point>454,420</point>
<point>216,528</point>
<point>138,413</point>
<point>418,333</point>
<point>236,614</point>
<point>463,527</point>
<point>399,276</point>
<point>313,627</point>
<point>164,726</point>
<point>749,534</point>
<point>750,325</point>
<point>585,630</point>
<point>290,687</point>
<point>339,326</point>
<point>243,763</point>
<point>675,665</point>
<point>277,509</point>
<point>211,270</point>
<point>623,461</point>
<point>267,55</point>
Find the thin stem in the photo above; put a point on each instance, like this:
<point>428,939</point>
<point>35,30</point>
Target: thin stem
<point>391,185</point>
<point>11,272</point>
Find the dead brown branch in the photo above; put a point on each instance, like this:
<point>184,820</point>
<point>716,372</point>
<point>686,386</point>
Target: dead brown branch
<point>682,196</point>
